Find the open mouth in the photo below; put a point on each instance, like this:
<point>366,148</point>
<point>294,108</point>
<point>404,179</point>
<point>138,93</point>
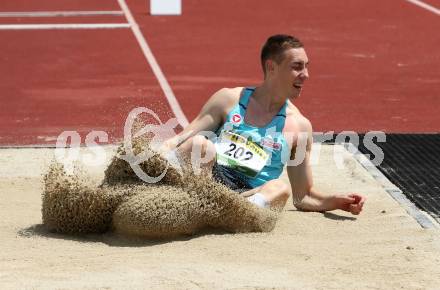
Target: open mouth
<point>298,86</point>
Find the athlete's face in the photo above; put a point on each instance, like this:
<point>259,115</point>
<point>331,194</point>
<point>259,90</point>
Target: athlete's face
<point>292,72</point>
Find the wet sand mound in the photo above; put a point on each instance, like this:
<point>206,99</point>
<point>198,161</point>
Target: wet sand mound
<point>181,203</point>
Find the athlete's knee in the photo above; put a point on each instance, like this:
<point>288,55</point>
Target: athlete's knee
<point>283,189</point>
<point>205,146</point>
<point>276,185</point>
<point>202,154</point>
<point>276,189</point>
<point>198,142</point>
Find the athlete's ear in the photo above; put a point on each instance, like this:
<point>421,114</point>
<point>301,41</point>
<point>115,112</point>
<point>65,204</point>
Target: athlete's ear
<point>270,66</point>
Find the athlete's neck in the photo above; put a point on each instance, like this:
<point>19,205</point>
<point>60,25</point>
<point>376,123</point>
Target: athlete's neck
<point>269,97</point>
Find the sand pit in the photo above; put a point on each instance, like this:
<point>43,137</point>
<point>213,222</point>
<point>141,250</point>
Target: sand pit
<point>384,248</point>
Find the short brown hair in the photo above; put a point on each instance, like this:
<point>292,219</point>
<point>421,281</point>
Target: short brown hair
<point>276,45</point>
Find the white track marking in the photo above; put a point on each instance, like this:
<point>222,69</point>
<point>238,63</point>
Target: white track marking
<point>425,6</point>
<point>175,107</point>
<point>63,26</point>
<point>59,13</point>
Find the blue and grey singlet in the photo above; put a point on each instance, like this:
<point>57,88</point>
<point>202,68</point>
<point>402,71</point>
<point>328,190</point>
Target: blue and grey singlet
<point>254,154</point>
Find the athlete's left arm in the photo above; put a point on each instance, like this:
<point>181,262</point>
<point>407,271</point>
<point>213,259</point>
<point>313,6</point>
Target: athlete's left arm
<point>305,196</point>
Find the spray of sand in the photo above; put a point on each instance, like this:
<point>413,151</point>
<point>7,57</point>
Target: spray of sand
<point>182,203</point>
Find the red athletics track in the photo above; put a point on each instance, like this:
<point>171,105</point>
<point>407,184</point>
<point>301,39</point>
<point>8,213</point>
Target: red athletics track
<point>374,65</point>
<point>58,5</point>
<point>83,80</point>
<point>74,19</point>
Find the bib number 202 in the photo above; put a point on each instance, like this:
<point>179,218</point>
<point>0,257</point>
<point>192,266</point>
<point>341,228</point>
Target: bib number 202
<point>237,152</point>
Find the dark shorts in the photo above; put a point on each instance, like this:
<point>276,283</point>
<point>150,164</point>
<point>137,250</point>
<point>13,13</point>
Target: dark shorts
<point>229,178</point>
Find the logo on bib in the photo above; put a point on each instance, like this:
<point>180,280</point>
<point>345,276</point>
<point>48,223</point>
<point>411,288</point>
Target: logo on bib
<point>236,118</point>
<point>269,143</point>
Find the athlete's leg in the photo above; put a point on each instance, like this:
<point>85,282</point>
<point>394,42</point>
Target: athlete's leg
<point>276,192</point>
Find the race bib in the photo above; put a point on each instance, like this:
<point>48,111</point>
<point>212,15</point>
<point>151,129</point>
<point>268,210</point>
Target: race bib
<point>239,153</point>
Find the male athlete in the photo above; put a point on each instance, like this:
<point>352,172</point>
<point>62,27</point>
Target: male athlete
<point>258,130</point>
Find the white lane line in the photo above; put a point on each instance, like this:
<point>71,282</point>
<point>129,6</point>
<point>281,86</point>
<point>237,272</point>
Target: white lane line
<point>63,26</point>
<point>425,6</point>
<point>175,107</point>
<point>59,13</point>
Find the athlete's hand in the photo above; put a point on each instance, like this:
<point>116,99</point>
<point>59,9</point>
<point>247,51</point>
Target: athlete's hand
<point>166,147</point>
<point>352,202</point>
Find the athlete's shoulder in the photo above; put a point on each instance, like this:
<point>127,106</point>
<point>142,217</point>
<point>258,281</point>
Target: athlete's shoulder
<point>230,93</point>
<point>296,121</point>
<point>221,102</point>
<point>226,97</point>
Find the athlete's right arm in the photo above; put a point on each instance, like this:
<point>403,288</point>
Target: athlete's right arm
<point>210,118</point>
